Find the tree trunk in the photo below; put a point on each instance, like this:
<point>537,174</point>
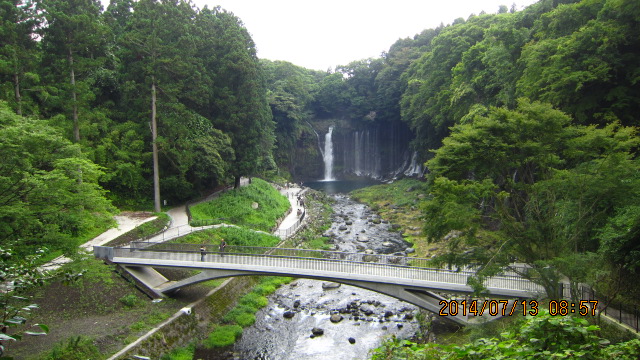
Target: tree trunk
<point>16,82</point>
<point>236,183</point>
<point>154,136</point>
<point>74,97</point>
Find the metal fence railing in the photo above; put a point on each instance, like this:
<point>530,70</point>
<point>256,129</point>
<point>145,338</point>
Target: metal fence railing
<point>323,262</point>
<point>171,233</point>
<point>621,313</point>
<point>285,233</point>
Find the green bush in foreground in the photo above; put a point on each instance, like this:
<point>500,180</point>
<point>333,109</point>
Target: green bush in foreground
<point>540,337</point>
<point>130,300</point>
<point>185,353</point>
<point>223,336</point>
<point>75,348</point>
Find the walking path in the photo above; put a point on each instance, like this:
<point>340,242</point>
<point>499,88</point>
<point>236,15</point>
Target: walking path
<point>292,219</point>
<point>126,221</point>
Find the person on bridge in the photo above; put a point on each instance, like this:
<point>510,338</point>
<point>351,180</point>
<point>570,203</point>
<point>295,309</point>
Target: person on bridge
<point>203,252</point>
<point>223,244</point>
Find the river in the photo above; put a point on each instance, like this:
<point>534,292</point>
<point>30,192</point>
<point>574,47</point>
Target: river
<point>366,317</point>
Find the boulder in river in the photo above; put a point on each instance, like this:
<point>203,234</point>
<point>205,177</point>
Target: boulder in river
<point>288,314</point>
<point>336,318</point>
<point>317,331</point>
<point>352,340</point>
<point>330,285</point>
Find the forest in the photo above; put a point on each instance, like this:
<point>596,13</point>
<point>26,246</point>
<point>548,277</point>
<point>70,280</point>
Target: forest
<point>526,120</point>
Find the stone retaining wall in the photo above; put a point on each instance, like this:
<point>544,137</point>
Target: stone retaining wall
<point>184,328</point>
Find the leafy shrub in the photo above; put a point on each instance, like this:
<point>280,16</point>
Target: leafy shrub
<point>130,300</point>
<point>185,353</point>
<point>75,348</point>
<point>139,326</point>
<point>233,314</point>
<point>254,300</point>
<point>540,337</point>
<point>245,319</point>
<point>264,289</point>
<point>223,336</point>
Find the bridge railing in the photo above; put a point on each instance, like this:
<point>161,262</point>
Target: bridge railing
<point>512,272</point>
<point>300,253</point>
<point>323,262</point>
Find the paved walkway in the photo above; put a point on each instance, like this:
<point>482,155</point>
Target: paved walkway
<point>292,218</point>
<point>126,221</point>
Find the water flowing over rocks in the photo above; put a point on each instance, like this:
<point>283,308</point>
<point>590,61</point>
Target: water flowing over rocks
<point>310,319</point>
<point>356,228</point>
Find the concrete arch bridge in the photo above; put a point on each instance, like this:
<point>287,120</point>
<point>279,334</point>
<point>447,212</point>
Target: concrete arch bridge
<point>405,278</point>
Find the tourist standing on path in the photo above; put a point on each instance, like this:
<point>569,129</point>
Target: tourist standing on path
<point>223,244</point>
<point>203,252</point>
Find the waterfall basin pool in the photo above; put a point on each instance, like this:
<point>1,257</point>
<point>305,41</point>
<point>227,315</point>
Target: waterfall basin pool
<point>340,186</point>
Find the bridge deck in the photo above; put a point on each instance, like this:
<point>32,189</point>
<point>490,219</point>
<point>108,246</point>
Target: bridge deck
<point>383,269</point>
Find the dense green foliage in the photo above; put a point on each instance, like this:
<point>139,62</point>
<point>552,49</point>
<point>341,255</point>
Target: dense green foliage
<point>49,191</point>
<point>551,194</point>
<point>235,207</point>
<point>579,56</point>
<point>101,75</point>
<point>539,337</point>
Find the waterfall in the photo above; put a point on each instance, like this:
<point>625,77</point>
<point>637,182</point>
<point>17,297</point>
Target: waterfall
<point>415,168</point>
<point>327,156</point>
<point>356,162</point>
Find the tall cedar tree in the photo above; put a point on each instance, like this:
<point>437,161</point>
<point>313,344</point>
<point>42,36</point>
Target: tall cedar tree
<point>73,44</point>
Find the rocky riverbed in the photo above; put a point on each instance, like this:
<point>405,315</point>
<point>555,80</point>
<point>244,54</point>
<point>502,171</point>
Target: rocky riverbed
<point>311,319</point>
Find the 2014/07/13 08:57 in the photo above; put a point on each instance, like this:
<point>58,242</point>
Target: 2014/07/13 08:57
<point>505,308</point>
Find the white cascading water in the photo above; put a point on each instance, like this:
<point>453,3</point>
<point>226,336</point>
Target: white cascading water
<point>357,154</point>
<point>328,156</point>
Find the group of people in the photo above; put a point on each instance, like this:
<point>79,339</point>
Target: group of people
<point>203,249</point>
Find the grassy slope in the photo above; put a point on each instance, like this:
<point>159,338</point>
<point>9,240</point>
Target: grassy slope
<point>236,206</point>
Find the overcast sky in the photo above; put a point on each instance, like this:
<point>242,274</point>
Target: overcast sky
<point>322,34</point>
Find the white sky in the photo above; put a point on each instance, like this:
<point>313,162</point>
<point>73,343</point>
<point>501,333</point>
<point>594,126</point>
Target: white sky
<point>322,34</point>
